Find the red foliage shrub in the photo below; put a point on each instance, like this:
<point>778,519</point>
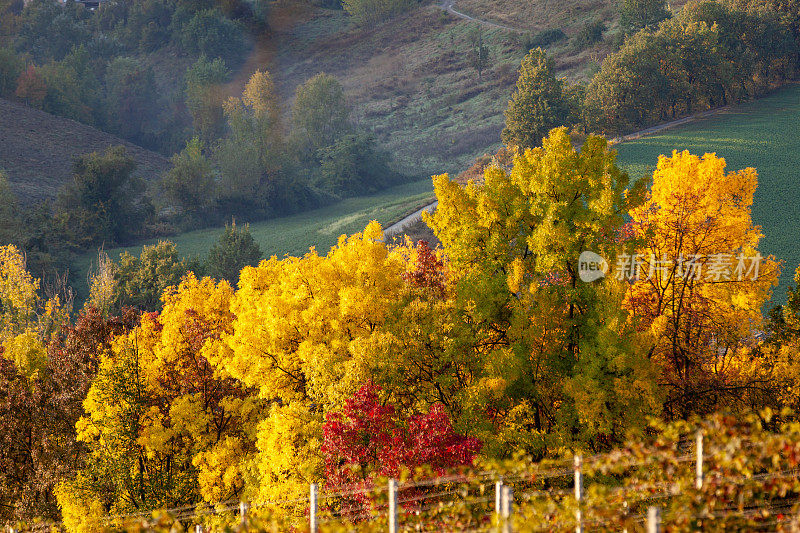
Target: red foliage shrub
<point>367,439</point>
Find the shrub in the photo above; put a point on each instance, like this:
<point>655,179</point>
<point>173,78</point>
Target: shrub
<point>541,39</point>
<point>234,250</point>
<point>372,12</point>
<point>590,34</point>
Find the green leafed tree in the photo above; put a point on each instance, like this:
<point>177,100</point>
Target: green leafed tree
<point>190,182</point>
<point>204,96</point>
<point>479,52</point>
<point>354,165</point>
<point>130,99</point>
<point>11,66</point>
<point>638,14</point>
<point>234,250</point>
<point>320,114</point>
<point>105,202</point>
<point>537,105</point>
<point>140,281</point>
<point>10,224</point>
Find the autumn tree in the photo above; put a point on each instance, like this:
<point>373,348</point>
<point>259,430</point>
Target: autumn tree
<point>46,365</point>
<point>700,282</point>
<point>31,87</point>
<point>367,439</point>
<point>251,157</point>
<point>538,103</point>
<point>165,426</point>
<point>560,362</point>
<point>303,336</point>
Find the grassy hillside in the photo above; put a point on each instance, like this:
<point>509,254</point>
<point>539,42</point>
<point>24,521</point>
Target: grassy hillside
<point>295,234</point>
<point>411,80</point>
<point>37,150</point>
<point>762,134</point>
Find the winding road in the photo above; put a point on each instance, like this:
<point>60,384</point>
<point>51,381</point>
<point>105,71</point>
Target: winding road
<point>447,5</point>
<point>401,224</point>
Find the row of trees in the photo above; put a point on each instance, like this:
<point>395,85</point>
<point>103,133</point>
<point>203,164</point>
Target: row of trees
<point>711,54</point>
<point>334,367</point>
<point>708,55</point>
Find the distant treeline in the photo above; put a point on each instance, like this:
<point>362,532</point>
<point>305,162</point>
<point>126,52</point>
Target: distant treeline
<point>258,168</point>
<point>708,55</point>
<point>236,157</point>
<point>97,66</point>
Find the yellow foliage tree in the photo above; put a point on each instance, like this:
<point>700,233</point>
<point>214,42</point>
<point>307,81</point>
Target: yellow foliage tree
<point>303,336</point>
<point>700,281</point>
<point>165,425</point>
<point>26,318</point>
<point>559,363</point>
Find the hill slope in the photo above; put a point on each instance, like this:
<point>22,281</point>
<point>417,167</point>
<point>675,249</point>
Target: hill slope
<point>411,80</point>
<point>37,150</point>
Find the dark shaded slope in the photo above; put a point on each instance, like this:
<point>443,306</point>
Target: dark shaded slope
<point>37,150</point>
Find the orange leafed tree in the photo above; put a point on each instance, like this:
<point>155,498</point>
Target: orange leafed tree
<point>701,281</point>
<point>31,87</point>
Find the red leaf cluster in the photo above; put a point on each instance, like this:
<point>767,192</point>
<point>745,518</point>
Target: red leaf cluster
<point>367,439</point>
<point>428,271</point>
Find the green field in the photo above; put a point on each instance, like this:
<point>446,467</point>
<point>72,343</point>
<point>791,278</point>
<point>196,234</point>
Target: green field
<point>764,134</point>
<point>297,233</point>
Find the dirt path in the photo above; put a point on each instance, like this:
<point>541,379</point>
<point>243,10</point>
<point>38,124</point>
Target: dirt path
<point>398,226</point>
<point>671,124</point>
<point>447,5</point>
<point>401,224</point>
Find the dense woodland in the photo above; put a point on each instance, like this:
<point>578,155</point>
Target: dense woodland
<point>233,156</point>
<point>326,367</point>
<point>184,383</point>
